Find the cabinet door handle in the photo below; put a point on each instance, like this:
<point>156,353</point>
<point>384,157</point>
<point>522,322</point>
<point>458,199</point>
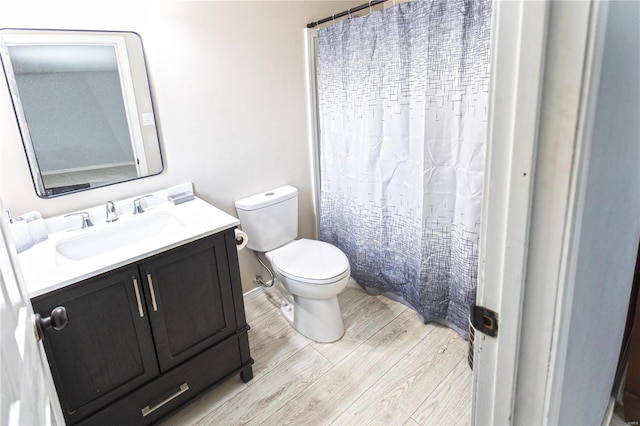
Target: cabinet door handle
<point>58,320</point>
<point>148,410</point>
<point>135,288</point>
<point>153,293</point>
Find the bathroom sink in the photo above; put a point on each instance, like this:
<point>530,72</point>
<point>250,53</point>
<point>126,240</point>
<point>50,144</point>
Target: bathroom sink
<point>116,235</point>
<point>72,254</point>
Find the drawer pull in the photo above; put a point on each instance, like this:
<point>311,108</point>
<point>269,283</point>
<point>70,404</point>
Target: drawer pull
<point>153,293</point>
<point>135,288</point>
<point>148,410</point>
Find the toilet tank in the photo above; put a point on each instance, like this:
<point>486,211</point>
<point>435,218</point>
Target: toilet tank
<point>270,219</point>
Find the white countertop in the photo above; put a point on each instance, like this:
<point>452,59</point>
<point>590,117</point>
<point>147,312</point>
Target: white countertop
<point>45,269</point>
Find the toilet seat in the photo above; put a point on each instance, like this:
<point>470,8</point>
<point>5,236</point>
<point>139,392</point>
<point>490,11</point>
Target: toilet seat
<point>310,261</point>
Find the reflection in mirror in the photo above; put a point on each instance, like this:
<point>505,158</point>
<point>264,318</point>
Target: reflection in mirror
<point>83,105</point>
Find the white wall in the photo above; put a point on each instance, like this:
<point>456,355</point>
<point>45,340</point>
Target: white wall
<point>610,227</point>
<point>228,80</point>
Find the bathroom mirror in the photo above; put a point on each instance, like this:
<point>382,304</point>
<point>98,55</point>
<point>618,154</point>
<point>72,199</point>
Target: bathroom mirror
<point>83,107</point>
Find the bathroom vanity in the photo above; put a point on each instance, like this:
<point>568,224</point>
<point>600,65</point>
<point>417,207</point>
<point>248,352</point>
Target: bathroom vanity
<point>151,323</point>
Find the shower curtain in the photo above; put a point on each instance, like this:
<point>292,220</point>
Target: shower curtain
<point>402,97</point>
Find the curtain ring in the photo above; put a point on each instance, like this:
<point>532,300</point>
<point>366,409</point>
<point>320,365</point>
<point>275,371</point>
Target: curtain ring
<point>370,8</point>
<point>349,13</point>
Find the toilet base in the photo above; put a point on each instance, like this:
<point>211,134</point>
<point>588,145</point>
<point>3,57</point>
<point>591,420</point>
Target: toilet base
<point>318,319</point>
<point>286,309</point>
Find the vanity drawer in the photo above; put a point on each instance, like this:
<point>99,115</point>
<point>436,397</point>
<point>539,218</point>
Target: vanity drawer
<point>174,388</point>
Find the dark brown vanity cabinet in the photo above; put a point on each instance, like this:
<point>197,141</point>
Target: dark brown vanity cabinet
<point>143,339</point>
<point>106,350</point>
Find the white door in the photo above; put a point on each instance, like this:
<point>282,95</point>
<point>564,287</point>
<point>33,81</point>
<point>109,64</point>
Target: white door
<point>28,395</point>
<point>546,57</point>
<point>518,48</point>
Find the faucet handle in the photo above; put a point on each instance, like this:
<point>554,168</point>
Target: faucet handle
<point>137,206</point>
<point>86,219</point>
<point>112,214</point>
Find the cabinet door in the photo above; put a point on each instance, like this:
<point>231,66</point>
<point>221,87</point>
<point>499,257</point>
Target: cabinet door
<point>106,350</point>
<point>188,292</point>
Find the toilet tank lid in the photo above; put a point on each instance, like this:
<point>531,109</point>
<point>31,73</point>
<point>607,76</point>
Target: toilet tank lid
<point>267,198</point>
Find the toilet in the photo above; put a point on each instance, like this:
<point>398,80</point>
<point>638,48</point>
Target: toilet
<point>313,272</point>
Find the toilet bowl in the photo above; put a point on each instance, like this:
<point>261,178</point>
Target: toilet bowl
<point>313,272</point>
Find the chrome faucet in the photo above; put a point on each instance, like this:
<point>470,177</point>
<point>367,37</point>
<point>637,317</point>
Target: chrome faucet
<point>112,215</point>
<point>86,220</point>
<point>137,207</point>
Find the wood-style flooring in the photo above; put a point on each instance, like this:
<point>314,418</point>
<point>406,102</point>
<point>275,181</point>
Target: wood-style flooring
<point>389,368</point>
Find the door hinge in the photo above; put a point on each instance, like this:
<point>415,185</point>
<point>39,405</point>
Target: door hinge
<point>484,320</point>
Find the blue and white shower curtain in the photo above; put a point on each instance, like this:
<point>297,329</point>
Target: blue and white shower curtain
<point>402,99</point>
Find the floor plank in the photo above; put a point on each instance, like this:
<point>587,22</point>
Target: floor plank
<point>272,341</point>
<point>375,313</point>
<point>256,403</point>
<point>257,306</point>
<point>450,403</point>
<point>389,368</point>
<point>206,403</point>
<point>351,299</point>
<point>405,387</point>
<point>332,393</point>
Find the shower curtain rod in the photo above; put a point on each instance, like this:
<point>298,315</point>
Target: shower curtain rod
<point>345,13</point>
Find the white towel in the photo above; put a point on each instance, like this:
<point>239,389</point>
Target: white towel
<point>21,235</point>
<point>38,230</point>
<point>31,216</point>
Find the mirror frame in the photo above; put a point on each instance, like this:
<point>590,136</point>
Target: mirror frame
<point>136,93</point>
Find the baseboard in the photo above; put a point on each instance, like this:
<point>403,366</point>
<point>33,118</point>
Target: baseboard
<point>254,292</point>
